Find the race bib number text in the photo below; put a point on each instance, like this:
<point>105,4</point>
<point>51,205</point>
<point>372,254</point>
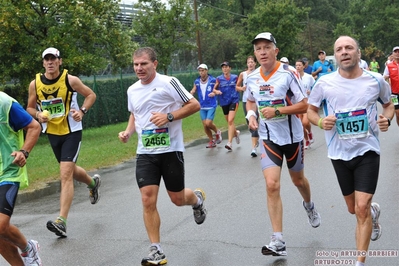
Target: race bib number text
<point>155,138</point>
<point>352,124</point>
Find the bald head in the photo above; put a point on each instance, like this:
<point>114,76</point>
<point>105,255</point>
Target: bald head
<point>347,53</point>
<point>346,39</point>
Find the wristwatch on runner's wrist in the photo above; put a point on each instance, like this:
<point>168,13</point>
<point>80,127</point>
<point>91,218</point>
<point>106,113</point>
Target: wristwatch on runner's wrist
<point>170,117</point>
<point>25,153</point>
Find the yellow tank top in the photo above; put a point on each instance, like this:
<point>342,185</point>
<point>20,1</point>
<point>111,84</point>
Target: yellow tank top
<point>58,97</point>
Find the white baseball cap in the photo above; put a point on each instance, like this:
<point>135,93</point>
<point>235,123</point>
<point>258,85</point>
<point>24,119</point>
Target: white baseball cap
<point>203,66</point>
<point>284,60</point>
<point>264,36</point>
<point>395,48</point>
<point>51,50</point>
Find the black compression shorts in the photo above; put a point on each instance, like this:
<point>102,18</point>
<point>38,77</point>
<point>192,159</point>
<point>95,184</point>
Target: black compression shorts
<point>66,148</point>
<point>360,173</point>
<point>8,197</point>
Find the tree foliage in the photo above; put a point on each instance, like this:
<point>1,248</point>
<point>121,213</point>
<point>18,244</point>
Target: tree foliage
<point>220,43</point>
<point>374,23</point>
<point>302,27</point>
<point>281,18</point>
<point>166,28</point>
<point>221,28</point>
<point>230,27</point>
<point>90,38</point>
<point>86,33</point>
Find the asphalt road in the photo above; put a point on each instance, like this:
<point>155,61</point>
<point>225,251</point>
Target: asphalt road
<point>237,226</point>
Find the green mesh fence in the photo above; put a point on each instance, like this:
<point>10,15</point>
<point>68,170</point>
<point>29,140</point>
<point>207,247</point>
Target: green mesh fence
<point>111,104</point>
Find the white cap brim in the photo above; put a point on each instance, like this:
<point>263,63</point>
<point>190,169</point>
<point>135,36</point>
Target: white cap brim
<point>51,50</point>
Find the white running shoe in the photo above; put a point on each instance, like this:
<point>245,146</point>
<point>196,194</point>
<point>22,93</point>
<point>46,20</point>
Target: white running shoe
<point>218,137</point>
<point>313,215</point>
<point>276,247</point>
<point>307,144</point>
<point>200,211</point>
<point>33,254</point>
<point>228,146</point>
<point>155,257</point>
<point>310,136</point>
<point>238,136</point>
<point>375,214</point>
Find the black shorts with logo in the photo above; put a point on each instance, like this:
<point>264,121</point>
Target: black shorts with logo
<point>150,168</point>
<point>66,148</point>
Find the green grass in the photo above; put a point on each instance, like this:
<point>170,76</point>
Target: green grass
<point>102,148</point>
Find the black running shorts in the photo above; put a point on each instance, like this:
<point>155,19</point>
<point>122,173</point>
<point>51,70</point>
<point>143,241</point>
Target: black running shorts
<point>150,168</point>
<point>230,107</point>
<point>66,148</point>
<point>358,174</point>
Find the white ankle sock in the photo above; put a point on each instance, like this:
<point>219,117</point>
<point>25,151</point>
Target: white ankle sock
<point>309,205</point>
<point>278,235</point>
<point>158,245</point>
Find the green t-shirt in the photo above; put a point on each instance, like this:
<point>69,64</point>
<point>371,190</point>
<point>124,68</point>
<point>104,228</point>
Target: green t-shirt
<point>374,66</point>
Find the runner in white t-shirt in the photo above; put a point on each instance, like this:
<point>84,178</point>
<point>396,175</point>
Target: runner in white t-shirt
<point>157,104</point>
<point>277,93</point>
<point>351,124</point>
<point>307,83</point>
<point>242,86</point>
<point>363,64</point>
